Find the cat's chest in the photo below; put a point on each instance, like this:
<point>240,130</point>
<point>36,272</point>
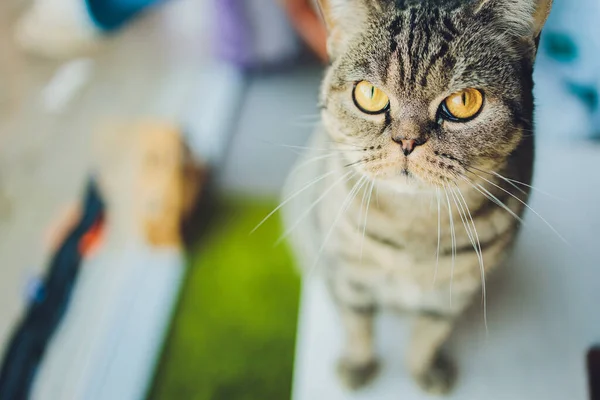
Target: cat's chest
<point>395,278</point>
<point>409,222</point>
<point>391,236</point>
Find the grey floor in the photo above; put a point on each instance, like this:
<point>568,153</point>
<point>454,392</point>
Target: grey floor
<point>279,111</point>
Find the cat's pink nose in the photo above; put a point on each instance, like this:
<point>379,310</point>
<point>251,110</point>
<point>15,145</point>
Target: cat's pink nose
<point>408,145</point>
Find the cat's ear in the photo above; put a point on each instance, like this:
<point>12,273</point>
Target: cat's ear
<point>344,19</point>
<point>540,16</point>
<point>527,17</point>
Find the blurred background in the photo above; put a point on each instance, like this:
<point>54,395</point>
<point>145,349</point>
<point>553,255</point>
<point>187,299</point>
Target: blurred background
<point>102,295</point>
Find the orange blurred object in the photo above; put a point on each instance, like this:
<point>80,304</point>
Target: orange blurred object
<point>91,241</point>
<point>309,25</point>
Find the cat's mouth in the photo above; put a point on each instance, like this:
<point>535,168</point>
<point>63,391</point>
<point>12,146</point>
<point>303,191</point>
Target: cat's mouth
<point>424,167</point>
<point>405,170</point>
<point>421,171</point>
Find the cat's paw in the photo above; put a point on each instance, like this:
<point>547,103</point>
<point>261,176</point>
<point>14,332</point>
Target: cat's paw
<point>356,375</point>
<point>440,378</point>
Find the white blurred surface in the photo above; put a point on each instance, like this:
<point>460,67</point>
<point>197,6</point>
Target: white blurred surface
<point>279,112</point>
<point>157,67</point>
<point>108,343</point>
<point>542,307</point>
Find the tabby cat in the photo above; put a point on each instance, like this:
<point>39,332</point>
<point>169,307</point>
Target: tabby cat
<point>412,190</point>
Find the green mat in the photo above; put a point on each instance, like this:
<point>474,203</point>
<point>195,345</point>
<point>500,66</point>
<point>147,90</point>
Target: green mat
<point>233,334</point>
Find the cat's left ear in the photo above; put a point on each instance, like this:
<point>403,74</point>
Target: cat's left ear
<point>344,19</point>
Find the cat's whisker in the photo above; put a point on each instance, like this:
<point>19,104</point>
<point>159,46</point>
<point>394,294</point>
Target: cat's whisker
<point>474,236</point>
<point>367,162</point>
<point>296,147</point>
<point>431,203</point>
<point>305,124</point>
<point>346,177</point>
<point>513,182</point>
<point>366,218</point>
<point>513,185</point>
<point>361,161</point>
<point>462,217</point>
<point>291,197</point>
<point>486,193</point>
<point>522,129</point>
<point>439,235</point>
<point>347,201</point>
<point>453,238</point>
<point>529,208</point>
<point>310,117</point>
<point>312,160</point>
<point>516,181</point>
<point>361,210</point>
<point>346,144</point>
<point>501,177</point>
<point>304,148</point>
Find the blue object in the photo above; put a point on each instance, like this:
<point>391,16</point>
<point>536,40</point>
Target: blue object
<point>35,290</point>
<point>561,47</point>
<point>571,51</point>
<point>110,15</point>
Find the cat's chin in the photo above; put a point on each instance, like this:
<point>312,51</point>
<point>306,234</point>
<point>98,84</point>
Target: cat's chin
<point>405,182</point>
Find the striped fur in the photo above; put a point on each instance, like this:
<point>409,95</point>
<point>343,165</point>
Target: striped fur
<point>389,230</point>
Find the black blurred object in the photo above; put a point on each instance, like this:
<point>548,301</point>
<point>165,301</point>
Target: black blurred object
<point>202,214</point>
<point>593,367</point>
<point>31,337</point>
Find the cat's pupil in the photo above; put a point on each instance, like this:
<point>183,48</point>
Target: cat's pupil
<point>464,98</point>
<point>372,91</point>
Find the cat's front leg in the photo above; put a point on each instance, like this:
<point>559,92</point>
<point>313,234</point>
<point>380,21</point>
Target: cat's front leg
<point>358,364</point>
<point>429,366</point>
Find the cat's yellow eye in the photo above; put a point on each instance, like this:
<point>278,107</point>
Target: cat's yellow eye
<point>463,105</point>
<point>369,98</point>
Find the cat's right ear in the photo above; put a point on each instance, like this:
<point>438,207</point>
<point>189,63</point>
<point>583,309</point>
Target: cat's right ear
<point>344,19</point>
<point>525,17</point>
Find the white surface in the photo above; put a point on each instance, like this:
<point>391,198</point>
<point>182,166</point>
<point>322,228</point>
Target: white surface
<point>218,92</point>
<point>56,28</point>
<point>106,346</point>
<point>278,111</point>
<point>69,79</point>
<point>551,94</point>
<point>542,307</point>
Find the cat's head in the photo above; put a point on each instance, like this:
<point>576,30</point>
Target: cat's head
<point>422,91</point>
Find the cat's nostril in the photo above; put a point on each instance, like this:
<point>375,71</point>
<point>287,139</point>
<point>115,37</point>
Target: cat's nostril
<point>408,145</point>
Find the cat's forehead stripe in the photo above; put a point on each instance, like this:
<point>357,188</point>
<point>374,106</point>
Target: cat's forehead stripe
<point>419,41</point>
